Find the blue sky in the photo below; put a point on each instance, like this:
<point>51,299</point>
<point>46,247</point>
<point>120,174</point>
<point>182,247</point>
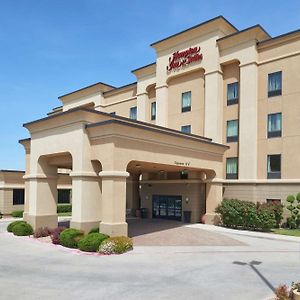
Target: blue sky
<point>51,47</point>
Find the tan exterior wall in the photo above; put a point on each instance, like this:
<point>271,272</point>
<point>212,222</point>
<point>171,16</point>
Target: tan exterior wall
<point>193,196</point>
<point>231,112</point>
<point>288,104</point>
<point>193,82</point>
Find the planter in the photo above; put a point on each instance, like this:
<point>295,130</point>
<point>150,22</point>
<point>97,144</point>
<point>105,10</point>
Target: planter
<point>296,295</point>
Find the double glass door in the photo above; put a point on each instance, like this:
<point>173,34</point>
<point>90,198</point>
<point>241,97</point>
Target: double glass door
<point>167,207</point>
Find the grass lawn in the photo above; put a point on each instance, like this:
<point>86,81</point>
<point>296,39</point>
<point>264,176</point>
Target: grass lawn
<point>65,214</point>
<point>292,232</point>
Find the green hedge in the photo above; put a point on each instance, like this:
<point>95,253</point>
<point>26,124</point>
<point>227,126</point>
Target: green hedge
<point>22,229</point>
<point>70,237</point>
<point>94,230</point>
<point>235,213</point>
<point>17,213</point>
<point>91,242</point>
<point>116,245</point>
<point>12,224</point>
<point>64,208</point>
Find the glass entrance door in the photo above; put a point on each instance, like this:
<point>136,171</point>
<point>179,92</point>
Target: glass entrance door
<point>167,207</point>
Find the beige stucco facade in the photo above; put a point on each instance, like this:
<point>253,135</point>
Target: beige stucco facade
<point>119,164</point>
<point>12,189</point>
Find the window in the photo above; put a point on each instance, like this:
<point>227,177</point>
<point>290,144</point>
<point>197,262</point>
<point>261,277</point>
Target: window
<point>232,131</point>
<point>113,113</point>
<point>18,196</point>
<point>232,93</point>
<point>186,128</point>
<point>153,110</point>
<point>133,111</point>
<point>186,101</point>
<point>232,168</point>
<point>274,166</point>
<point>63,196</point>
<point>274,125</point>
<point>274,201</point>
<point>184,174</point>
<point>274,84</point>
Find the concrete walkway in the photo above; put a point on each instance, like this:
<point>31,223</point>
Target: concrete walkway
<point>251,270</point>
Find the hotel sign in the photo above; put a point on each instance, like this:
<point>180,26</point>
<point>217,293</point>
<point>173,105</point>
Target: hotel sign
<point>183,58</point>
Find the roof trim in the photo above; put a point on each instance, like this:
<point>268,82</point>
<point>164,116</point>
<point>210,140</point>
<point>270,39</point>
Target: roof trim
<point>11,171</point>
<point>84,88</point>
<point>193,27</point>
<point>143,67</point>
<point>279,36</point>
<point>155,128</point>
<point>121,87</point>
<point>242,31</point>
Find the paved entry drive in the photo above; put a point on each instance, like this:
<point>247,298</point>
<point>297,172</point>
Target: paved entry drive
<point>173,233</point>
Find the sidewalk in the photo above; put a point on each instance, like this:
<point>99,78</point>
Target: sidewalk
<point>254,234</point>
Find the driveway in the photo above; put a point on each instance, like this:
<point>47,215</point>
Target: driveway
<point>248,270</point>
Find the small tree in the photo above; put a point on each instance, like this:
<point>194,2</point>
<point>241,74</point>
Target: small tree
<point>294,208</point>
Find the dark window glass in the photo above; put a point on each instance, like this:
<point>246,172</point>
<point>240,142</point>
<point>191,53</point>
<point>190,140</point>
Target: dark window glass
<point>232,93</point>
<point>18,196</point>
<point>133,113</point>
<point>186,128</point>
<point>186,101</point>
<point>232,131</point>
<point>232,168</point>
<point>274,166</point>
<point>274,125</point>
<point>63,196</point>
<point>274,84</point>
<point>184,174</point>
<point>153,110</point>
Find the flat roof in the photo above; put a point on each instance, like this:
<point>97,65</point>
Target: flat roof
<point>12,171</point>
<point>195,26</point>
<point>279,36</point>
<point>143,67</point>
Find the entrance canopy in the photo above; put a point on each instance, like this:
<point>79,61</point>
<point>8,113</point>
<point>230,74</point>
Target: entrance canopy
<point>101,150</point>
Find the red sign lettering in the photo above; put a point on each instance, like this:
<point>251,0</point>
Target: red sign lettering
<point>184,58</point>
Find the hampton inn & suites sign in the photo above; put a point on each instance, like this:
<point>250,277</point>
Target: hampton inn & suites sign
<point>184,58</point>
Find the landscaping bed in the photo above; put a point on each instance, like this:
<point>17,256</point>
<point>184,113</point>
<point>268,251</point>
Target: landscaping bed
<point>93,242</point>
<point>286,231</point>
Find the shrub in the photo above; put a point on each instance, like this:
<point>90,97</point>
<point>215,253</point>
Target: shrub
<point>17,213</point>
<point>282,292</point>
<point>55,235</point>
<point>265,217</point>
<point>41,232</point>
<point>91,242</point>
<point>246,215</point>
<point>11,225</point>
<point>290,198</point>
<point>22,229</point>
<point>116,245</point>
<point>70,237</point>
<point>94,230</point>
<point>1,215</point>
<point>64,208</point>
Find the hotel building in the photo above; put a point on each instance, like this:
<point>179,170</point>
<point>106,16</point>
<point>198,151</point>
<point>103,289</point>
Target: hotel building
<point>215,116</point>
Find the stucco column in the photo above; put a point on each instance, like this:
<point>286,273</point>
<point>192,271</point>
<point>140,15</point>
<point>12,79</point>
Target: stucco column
<point>132,192</point>
<point>142,100</point>
<point>213,106</point>
<point>42,208</point>
<point>213,198</point>
<point>162,105</point>
<point>248,122</point>
<point>113,220</point>
<point>86,200</point>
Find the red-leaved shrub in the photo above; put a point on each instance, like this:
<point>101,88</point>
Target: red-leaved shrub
<point>55,233</point>
<point>41,232</point>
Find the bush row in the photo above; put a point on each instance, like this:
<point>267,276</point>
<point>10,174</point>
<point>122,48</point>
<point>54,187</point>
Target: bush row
<point>235,213</point>
<point>94,241</point>
<point>17,213</point>
<point>64,208</point>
